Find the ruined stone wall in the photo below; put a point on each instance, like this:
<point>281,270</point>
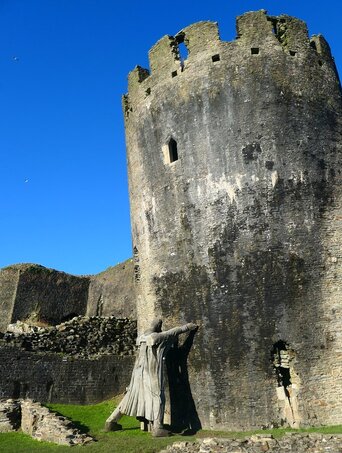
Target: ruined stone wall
<point>44,425</point>
<point>57,378</point>
<point>30,291</point>
<point>234,159</point>
<point>81,361</point>
<point>112,292</point>
<point>39,422</point>
<point>36,293</point>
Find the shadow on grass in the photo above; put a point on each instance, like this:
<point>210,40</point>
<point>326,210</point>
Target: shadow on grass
<point>80,426</point>
<point>76,423</point>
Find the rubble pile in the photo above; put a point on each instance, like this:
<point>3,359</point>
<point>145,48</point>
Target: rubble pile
<point>81,336</point>
<point>289,443</point>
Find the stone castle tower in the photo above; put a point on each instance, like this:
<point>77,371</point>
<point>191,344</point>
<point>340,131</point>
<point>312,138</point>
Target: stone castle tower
<point>234,158</point>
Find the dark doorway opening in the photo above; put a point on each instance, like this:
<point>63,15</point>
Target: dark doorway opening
<point>282,365</point>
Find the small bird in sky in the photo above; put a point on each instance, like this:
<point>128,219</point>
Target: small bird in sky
<point>26,180</point>
<point>15,58</point>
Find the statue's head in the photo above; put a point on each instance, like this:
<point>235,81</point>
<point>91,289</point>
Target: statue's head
<point>156,326</point>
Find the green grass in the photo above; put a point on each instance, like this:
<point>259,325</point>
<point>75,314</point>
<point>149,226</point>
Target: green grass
<point>131,439</point>
<point>91,419</point>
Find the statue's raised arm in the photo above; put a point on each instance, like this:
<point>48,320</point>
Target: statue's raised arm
<point>172,334</point>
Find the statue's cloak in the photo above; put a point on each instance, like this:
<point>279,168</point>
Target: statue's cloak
<point>145,394</point>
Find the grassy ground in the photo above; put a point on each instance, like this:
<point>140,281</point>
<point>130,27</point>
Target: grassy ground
<point>130,440</point>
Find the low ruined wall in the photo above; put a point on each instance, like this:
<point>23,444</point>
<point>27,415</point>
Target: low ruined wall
<point>57,378</point>
<point>82,361</point>
<point>39,422</point>
<point>112,292</point>
<point>44,425</point>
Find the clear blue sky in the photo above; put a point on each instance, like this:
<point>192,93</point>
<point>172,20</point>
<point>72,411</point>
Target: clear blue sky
<point>63,69</point>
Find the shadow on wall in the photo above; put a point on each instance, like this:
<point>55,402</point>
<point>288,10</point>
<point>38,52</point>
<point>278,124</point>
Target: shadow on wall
<point>184,417</point>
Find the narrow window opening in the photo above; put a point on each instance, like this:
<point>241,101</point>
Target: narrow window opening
<point>293,53</point>
<point>148,91</point>
<point>320,62</point>
<point>183,52</point>
<point>174,73</point>
<point>215,58</point>
<point>255,50</point>
<point>173,152</point>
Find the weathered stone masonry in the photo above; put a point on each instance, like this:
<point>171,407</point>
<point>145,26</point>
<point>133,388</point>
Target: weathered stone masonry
<point>39,422</point>
<point>234,159</point>
<point>30,291</point>
<point>36,293</point>
<point>83,361</point>
<point>53,378</point>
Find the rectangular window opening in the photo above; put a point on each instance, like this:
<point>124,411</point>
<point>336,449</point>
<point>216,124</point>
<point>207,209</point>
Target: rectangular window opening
<point>174,73</point>
<point>148,91</point>
<point>215,58</point>
<point>255,50</point>
<point>293,53</point>
<point>173,152</point>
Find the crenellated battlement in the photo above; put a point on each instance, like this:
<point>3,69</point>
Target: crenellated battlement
<point>290,32</point>
<point>257,32</point>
